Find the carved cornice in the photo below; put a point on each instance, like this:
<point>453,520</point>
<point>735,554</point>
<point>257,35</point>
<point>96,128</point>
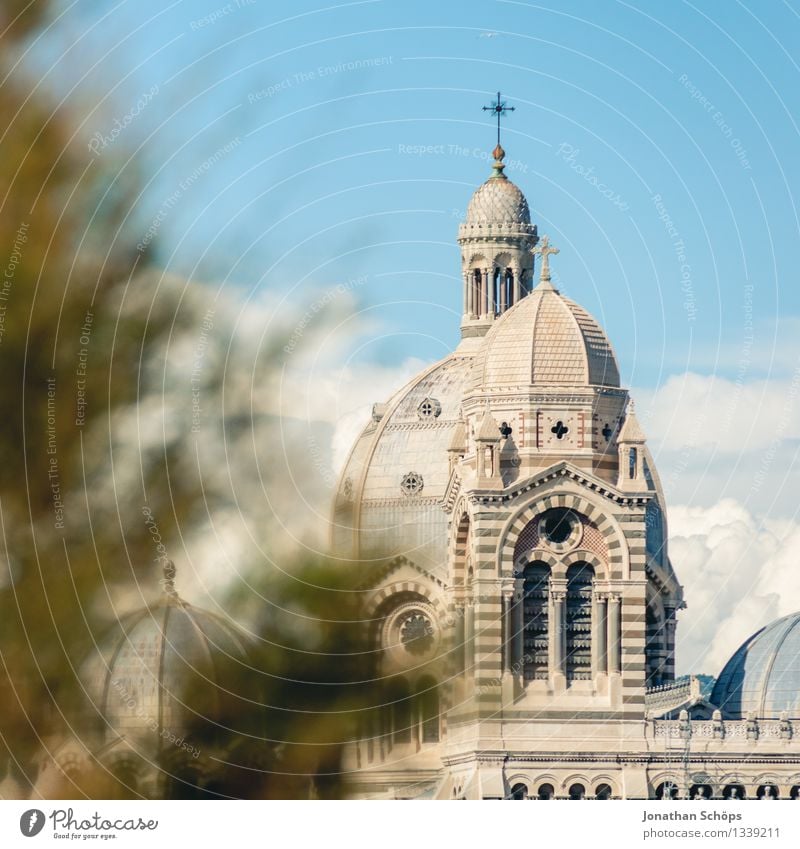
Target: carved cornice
<point>561,470</point>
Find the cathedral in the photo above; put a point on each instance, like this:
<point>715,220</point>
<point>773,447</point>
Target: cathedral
<point>521,603</point>
<point>526,608</point>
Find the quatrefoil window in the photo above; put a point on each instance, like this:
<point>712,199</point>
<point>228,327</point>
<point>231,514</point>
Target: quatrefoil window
<point>430,408</point>
<point>559,429</point>
<point>411,483</point>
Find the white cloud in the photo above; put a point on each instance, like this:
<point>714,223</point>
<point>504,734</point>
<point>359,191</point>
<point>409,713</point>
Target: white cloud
<point>714,438</point>
<point>738,573</point>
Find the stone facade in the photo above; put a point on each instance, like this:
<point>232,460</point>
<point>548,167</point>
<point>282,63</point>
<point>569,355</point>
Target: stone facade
<point>527,552</point>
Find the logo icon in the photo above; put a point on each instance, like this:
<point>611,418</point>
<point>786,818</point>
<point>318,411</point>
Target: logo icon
<point>31,822</point>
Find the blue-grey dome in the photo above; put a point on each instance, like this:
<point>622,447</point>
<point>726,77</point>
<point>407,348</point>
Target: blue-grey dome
<point>763,676</point>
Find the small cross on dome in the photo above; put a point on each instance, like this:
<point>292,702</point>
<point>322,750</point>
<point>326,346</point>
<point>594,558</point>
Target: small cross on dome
<point>544,250</point>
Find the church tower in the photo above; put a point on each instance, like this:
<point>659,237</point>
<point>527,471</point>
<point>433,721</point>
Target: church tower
<point>528,598</point>
<point>496,241</point>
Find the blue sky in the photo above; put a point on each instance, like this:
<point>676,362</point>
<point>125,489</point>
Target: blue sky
<point>673,100</point>
<point>278,146</point>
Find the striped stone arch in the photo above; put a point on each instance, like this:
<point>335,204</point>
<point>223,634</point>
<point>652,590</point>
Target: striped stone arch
<point>427,591</point>
<point>613,536</point>
<point>601,570</point>
<point>537,554</point>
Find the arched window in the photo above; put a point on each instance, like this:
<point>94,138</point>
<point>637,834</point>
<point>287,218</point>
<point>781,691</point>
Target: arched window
<point>535,589</point>
<point>631,463</point>
<point>794,793</point>
<point>700,791</point>
<point>667,790</point>
<point>546,792</point>
<point>603,791</point>
<point>579,621</point>
<point>427,710</point>
<point>577,791</point>
<point>767,791</point>
<point>518,791</point>
<point>733,791</point>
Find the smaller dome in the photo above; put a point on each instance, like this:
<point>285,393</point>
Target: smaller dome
<point>545,339</point>
<point>168,672</point>
<point>498,201</point>
<point>763,676</point>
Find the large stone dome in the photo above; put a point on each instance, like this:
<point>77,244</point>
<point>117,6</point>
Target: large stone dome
<point>545,339</point>
<point>389,496</point>
<point>763,676</point>
<point>168,672</point>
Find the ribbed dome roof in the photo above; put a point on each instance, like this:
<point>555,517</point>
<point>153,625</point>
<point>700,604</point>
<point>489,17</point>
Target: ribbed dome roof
<point>167,670</point>
<point>545,339</point>
<point>498,201</point>
<point>763,676</point>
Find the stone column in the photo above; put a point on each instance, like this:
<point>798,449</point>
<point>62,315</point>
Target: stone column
<point>508,629</point>
<point>614,603</point>
<point>600,633</point>
<point>556,632</point>
<point>518,624</point>
<point>668,670</point>
<point>503,283</point>
<point>488,299</point>
<point>460,636</point>
<point>516,288</point>
<point>469,639</point>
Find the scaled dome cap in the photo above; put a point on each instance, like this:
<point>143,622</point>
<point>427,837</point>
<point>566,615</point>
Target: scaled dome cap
<point>763,676</point>
<point>545,339</point>
<point>497,207</point>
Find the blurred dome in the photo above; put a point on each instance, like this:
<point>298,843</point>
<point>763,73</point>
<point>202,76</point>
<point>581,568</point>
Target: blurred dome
<point>545,339</point>
<point>763,676</point>
<point>172,671</point>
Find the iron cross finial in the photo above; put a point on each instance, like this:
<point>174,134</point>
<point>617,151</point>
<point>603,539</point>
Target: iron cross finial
<point>499,108</point>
